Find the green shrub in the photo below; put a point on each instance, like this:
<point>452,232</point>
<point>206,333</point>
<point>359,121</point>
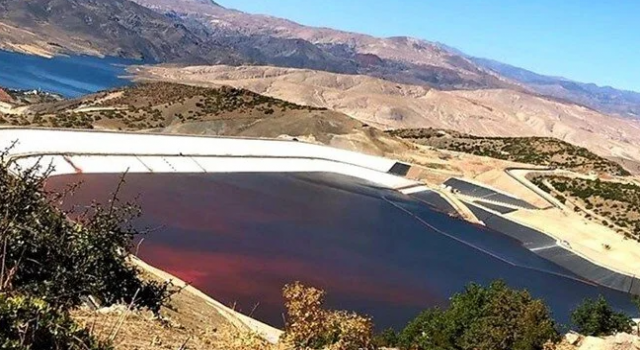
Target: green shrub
<point>386,339</point>
<point>597,318</point>
<point>50,257</point>
<point>28,323</point>
<point>430,330</point>
<point>492,318</point>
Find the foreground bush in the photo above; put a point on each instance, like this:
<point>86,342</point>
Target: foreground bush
<point>49,264</point>
<point>597,318</point>
<point>493,318</point>
<point>386,339</point>
<point>28,323</point>
<point>47,256</point>
<point>310,326</point>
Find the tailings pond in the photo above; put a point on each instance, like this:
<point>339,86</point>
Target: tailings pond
<point>241,237</point>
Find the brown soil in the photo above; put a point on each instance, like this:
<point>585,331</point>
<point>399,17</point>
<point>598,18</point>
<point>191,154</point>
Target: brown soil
<point>5,97</point>
<point>388,105</point>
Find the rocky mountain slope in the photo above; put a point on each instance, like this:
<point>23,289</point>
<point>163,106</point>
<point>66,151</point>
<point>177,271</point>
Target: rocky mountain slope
<point>407,60</point>
<point>116,27</point>
<point>5,97</point>
<point>196,31</point>
<point>201,31</point>
<point>606,99</point>
<point>494,112</point>
<point>400,59</point>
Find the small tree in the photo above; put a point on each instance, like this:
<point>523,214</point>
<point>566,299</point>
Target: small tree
<point>46,255</point>
<point>492,318</point>
<point>430,330</point>
<point>310,326</point>
<point>386,339</point>
<point>597,318</point>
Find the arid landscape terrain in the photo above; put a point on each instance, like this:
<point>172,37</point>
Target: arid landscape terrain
<point>389,105</point>
<point>545,168</point>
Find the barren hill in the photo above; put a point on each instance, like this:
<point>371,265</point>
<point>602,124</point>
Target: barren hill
<point>403,59</point>
<point>400,59</point>
<point>115,28</point>
<point>175,108</point>
<point>5,97</point>
<point>496,112</point>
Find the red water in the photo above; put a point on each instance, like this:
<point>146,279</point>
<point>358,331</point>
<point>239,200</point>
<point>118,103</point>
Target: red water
<point>241,237</point>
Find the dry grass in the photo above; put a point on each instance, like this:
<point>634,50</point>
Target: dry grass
<point>193,324</point>
<point>189,323</point>
<point>233,338</point>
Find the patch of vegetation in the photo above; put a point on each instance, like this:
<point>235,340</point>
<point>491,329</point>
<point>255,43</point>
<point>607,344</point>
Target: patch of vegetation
<point>156,105</point>
<point>310,326</point>
<point>618,203</point>
<point>492,318</point>
<point>207,100</point>
<point>30,323</point>
<point>543,151</point>
<point>50,264</point>
<point>597,318</point>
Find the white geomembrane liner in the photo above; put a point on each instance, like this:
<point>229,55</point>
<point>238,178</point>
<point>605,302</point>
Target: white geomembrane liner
<point>105,152</point>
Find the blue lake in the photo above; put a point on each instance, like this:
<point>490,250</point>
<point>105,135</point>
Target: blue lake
<point>69,76</point>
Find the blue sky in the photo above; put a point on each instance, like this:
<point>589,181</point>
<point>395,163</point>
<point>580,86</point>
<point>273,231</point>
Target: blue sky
<point>586,40</point>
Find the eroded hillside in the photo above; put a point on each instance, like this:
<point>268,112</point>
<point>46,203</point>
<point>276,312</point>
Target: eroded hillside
<point>387,105</point>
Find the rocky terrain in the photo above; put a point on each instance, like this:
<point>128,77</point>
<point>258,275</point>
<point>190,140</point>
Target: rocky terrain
<point>620,341</point>
<point>116,28</point>
<point>5,97</point>
<point>400,59</point>
<point>605,99</point>
<point>543,151</point>
<point>387,105</point>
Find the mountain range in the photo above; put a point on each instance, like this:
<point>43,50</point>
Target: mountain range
<point>197,32</point>
<point>406,60</point>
